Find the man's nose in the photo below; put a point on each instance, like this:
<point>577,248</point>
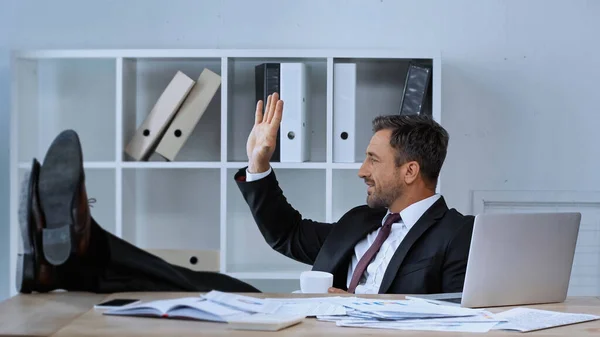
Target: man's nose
<point>362,171</point>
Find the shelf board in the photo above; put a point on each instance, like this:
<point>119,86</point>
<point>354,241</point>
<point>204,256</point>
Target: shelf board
<point>279,165</point>
<point>208,164</point>
<point>346,166</point>
<point>304,165</point>
<point>234,53</point>
<point>171,165</point>
<point>86,164</point>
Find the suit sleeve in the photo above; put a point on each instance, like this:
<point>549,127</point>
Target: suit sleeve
<point>282,226</point>
<point>457,253</point>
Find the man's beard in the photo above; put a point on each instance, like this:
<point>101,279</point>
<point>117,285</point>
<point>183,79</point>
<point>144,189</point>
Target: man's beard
<point>384,197</point>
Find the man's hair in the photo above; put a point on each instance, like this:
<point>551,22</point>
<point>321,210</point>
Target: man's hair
<point>416,138</point>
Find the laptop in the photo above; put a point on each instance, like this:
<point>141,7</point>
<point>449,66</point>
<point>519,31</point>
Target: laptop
<point>517,259</point>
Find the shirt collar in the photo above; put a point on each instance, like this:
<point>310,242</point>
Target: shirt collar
<point>411,214</point>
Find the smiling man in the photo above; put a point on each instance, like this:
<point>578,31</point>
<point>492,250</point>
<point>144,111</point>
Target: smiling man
<point>404,240</point>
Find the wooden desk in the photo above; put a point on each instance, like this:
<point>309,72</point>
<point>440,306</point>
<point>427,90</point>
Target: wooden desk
<point>72,314</point>
<point>43,314</point>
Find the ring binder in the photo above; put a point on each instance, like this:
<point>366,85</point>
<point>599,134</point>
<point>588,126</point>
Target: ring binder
<point>151,130</point>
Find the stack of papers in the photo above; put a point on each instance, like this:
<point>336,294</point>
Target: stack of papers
<point>390,314</point>
<point>418,314</point>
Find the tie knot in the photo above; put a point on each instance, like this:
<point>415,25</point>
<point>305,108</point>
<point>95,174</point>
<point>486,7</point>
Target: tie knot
<point>391,218</point>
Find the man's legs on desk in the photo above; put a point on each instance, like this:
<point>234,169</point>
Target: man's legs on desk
<point>64,247</point>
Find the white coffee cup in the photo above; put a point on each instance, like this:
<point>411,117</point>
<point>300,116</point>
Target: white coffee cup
<point>315,282</point>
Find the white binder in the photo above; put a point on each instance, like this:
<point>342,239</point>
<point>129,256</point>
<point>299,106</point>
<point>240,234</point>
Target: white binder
<point>159,118</point>
<point>189,114</point>
<point>344,112</point>
<point>294,146</point>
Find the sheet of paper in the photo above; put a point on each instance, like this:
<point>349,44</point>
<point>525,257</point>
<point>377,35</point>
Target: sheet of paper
<point>487,317</point>
<point>525,319</point>
<point>480,327</point>
<point>410,307</point>
<point>247,303</point>
<point>311,307</point>
<point>368,308</point>
<point>336,318</point>
<point>215,308</point>
<point>437,299</point>
<point>332,299</point>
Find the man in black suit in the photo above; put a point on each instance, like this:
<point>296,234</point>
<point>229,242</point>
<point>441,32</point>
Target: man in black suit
<point>405,240</point>
<point>425,250</point>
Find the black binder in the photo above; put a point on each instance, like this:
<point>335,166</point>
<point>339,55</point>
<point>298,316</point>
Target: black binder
<point>417,90</point>
<point>267,81</point>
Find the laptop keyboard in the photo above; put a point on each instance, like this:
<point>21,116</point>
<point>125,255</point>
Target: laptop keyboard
<point>452,300</point>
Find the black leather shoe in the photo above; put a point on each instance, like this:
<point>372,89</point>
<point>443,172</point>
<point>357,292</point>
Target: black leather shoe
<point>34,273</point>
<point>63,199</point>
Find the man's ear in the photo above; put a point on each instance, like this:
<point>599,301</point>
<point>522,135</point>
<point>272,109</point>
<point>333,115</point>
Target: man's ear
<point>412,170</point>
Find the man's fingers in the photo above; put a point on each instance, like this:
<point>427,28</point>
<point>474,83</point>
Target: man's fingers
<point>259,115</point>
<point>268,108</point>
<point>273,107</point>
<point>276,119</point>
<point>333,290</point>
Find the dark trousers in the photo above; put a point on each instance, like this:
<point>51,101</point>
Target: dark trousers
<point>114,265</point>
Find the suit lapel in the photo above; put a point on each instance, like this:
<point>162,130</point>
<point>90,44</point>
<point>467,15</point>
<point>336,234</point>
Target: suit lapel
<point>430,217</point>
<point>342,241</point>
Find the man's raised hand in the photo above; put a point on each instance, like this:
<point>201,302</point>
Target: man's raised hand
<point>263,137</point>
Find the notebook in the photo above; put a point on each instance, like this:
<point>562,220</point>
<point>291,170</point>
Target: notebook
<point>240,312</point>
<point>265,322</point>
<point>196,308</point>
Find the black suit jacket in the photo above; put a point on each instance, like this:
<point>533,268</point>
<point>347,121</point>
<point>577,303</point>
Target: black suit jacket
<point>432,258</point>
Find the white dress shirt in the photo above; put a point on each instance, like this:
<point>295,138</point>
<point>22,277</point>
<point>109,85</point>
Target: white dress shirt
<point>256,176</point>
<point>371,280</point>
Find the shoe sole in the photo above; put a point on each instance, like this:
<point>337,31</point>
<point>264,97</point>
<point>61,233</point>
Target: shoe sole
<point>25,276</point>
<point>59,179</point>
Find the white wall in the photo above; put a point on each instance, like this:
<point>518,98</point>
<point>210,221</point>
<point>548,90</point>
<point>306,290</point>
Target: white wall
<point>514,72</point>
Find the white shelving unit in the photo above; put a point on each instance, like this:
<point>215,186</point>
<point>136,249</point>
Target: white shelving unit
<point>193,203</point>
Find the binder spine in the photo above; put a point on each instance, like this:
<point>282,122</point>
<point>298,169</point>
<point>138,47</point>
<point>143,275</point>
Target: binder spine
<point>294,92</point>
<point>152,129</point>
<point>189,115</point>
<point>415,90</point>
<point>267,81</point>
<point>344,112</point>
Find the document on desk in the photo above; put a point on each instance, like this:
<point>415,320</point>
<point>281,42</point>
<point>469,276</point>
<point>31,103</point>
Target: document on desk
<point>388,309</point>
<point>482,322</point>
<point>242,302</point>
<point>407,308</point>
<point>412,315</point>
<point>525,319</point>
<point>311,307</point>
<point>480,327</point>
